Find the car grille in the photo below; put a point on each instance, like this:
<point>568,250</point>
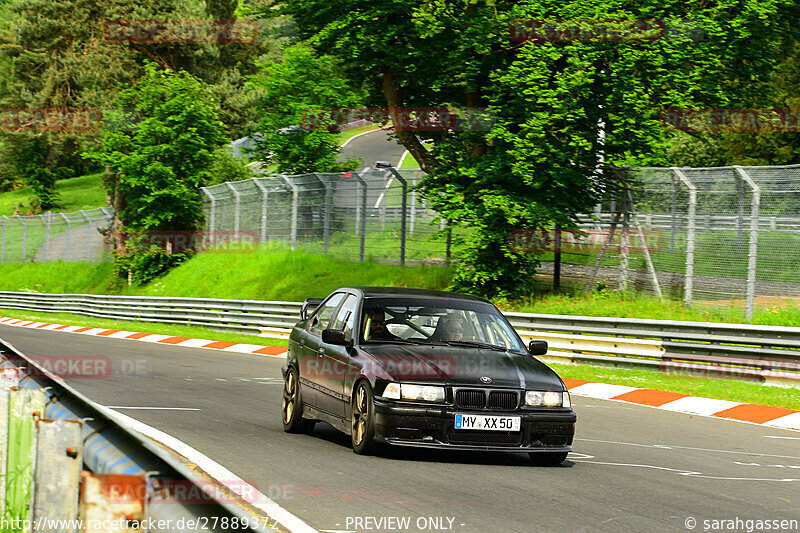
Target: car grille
<point>502,400</point>
<point>471,399</point>
<point>479,399</point>
<point>484,438</point>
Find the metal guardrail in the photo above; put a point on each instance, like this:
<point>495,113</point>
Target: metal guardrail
<point>765,353</point>
<point>113,448</point>
<point>243,315</point>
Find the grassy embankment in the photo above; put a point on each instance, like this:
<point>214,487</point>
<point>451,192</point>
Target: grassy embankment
<point>275,273</point>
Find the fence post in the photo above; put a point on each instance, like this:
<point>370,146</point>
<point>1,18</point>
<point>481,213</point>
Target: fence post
<point>46,218</point>
<point>69,228</point>
<point>295,194</point>
<point>212,217</point>
<point>24,235</point>
<point>110,216</point>
<point>88,235</point>
<point>413,204</point>
<point>326,224</point>
<point>237,204</point>
<point>674,213</point>
<point>689,278</point>
<point>361,222</point>
<point>3,245</point>
<point>403,208</point>
<point>264,199</point>
<point>752,254</point>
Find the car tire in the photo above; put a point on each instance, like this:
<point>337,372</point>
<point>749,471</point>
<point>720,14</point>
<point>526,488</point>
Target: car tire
<point>292,404</point>
<point>548,458</point>
<point>362,420</point>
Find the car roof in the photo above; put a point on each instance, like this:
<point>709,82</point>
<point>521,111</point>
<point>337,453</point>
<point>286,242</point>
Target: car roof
<point>371,292</point>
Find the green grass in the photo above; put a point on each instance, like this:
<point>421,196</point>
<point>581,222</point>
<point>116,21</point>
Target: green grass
<point>84,192</point>
<point>342,137</point>
<point>275,273</point>
<point>738,391</point>
<point>176,330</point>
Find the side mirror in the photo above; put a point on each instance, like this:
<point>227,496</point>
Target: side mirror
<point>334,336</point>
<point>534,348</point>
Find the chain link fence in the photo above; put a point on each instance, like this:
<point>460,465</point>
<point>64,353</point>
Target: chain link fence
<point>374,213</point>
<point>715,236</point>
<point>55,237</point>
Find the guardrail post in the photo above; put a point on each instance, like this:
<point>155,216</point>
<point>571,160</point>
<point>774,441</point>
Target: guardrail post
<point>212,214</point>
<point>403,208</point>
<point>264,199</point>
<point>69,228</point>
<point>361,207</point>
<point>295,195</point>
<point>689,278</point>
<point>326,224</point>
<point>237,199</point>
<point>88,235</point>
<point>752,254</point>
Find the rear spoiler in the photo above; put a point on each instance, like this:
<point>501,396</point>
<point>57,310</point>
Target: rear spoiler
<point>309,305</point>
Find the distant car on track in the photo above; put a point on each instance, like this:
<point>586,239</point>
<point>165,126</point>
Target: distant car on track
<point>412,367</point>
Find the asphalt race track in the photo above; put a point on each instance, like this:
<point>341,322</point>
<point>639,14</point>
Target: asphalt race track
<point>634,468</point>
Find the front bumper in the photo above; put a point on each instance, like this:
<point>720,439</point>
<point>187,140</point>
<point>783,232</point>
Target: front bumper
<point>432,426</point>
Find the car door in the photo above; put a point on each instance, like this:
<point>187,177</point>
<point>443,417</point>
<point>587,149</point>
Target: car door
<point>310,371</point>
<point>333,359</point>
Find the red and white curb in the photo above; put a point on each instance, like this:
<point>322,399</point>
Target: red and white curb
<point>255,349</point>
<point>776,417</point>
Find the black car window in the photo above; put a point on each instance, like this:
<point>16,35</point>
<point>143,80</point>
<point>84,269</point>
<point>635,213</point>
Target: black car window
<point>323,315</point>
<point>345,318</point>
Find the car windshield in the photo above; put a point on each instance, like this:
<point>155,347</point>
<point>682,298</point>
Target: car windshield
<point>437,321</point>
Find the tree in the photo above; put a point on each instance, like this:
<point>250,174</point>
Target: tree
<point>300,86</point>
<point>159,147</point>
<point>536,162</point>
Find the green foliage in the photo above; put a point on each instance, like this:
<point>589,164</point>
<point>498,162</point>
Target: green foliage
<point>143,265</point>
<point>161,147</point>
<point>534,165</point>
<point>301,84</point>
<point>227,167</point>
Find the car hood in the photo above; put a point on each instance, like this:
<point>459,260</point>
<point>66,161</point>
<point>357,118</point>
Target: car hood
<point>456,365</point>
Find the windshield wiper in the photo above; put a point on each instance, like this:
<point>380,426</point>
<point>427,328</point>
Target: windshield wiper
<point>477,344</point>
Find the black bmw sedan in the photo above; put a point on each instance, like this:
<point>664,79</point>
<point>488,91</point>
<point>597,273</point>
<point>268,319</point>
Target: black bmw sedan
<point>412,367</point>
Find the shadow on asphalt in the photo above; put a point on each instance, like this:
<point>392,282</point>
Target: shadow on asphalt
<point>326,432</point>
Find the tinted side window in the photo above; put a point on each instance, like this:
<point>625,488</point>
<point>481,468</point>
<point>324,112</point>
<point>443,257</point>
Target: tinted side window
<point>345,318</point>
<point>323,316</point>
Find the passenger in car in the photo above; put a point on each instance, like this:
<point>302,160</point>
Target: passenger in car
<point>448,328</point>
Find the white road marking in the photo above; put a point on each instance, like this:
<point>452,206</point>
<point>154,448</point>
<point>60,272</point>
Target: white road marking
<point>154,408</point>
<point>217,471</point>
<point>688,473</point>
<point>780,437</point>
<point>402,158</point>
<point>359,135</point>
<point>678,447</point>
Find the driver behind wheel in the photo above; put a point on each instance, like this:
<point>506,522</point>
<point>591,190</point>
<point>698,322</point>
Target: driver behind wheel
<point>376,326</point>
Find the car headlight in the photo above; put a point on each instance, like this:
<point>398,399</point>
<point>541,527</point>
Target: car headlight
<point>406,391</point>
<point>535,398</point>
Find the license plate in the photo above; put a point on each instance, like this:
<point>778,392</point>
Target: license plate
<point>491,423</point>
